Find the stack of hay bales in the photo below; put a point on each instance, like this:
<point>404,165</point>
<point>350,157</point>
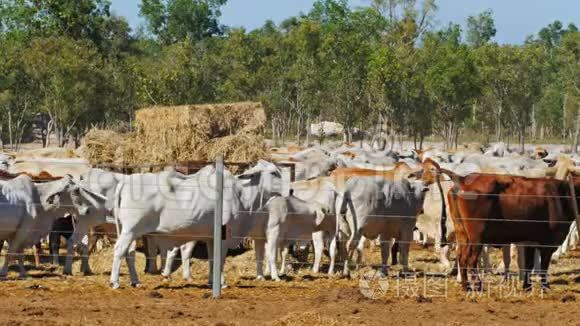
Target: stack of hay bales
<point>165,135</point>
<point>102,146</point>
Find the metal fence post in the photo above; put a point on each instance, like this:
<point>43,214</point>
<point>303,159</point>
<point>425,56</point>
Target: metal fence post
<point>217,228</point>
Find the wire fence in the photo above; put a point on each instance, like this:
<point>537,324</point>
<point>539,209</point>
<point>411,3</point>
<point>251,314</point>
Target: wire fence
<point>152,183</point>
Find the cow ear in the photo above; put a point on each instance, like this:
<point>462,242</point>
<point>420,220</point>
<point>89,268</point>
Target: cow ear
<point>53,200</point>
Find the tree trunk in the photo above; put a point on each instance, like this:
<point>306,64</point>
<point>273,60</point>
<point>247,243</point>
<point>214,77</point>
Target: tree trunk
<point>576,133</point>
<point>298,129</point>
<point>10,130</point>
<point>564,116</point>
<point>534,122</point>
<point>274,138</point>
<point>307,130</point>
<point>498,131</point>
<point>522,139</point>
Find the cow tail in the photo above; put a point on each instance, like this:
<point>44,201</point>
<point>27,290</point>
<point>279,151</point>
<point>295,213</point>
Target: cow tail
<point>443,220</point>
<point>117,207</point>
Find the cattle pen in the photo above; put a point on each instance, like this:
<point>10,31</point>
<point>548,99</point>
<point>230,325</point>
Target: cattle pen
<point>302,297</point>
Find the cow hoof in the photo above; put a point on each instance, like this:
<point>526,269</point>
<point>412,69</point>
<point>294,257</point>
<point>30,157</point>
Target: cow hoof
<point>259,278</point>
<point>276,279</point>
<point>89,273</point>
<point>137,285</point>
<point>166,279</point>
<point>68,273</point>
<point>115,285</point>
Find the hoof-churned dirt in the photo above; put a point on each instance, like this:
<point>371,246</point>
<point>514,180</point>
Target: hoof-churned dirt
<point>301,298</point>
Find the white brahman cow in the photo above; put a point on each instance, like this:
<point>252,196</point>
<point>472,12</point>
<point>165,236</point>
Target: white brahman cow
<point>29,210</point>
<point>379,207</point>
<point>183,207</point>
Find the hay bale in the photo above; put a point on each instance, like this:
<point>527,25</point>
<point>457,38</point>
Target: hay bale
<point>194,132</point>
<point>166,135</point>
<point>104,146</point>
<point>100,146</point>
<point>239,148</point>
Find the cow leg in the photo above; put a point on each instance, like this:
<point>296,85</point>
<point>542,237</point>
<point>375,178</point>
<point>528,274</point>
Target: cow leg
<point>485,261</point>
<point>404,246</point>
<point>473,258</point>
<point>37,252</point>
<point>444,258</point>
<point>537,262</point>
<point>332,251</point>
<point>121,250</point>
<point>83,248</point>
<point>150,255</point>
<point>318,241</point>
<point>360,251</point>
<point>545,256</point>
<point>395,253</point>
<point>53,246</point>
<point>462,264</point>
<point>521,260</point>
<point>7,259</point>
<point>21,269</point>
<point>285,248</point>
<point>506,261</point>
<point>272,252</point>
<point>528,266</point>
<point>259,249</point>
<point>209,245</point>
<point>186,251</point>
<point>386,247</point>
<point>350,249</point>
<point>130,259</point>
<point>69,254</point>
<point>169,258</point>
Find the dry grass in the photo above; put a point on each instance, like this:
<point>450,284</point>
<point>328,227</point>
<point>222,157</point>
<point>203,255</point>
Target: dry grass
<point>166,135</point>
<point>102,146</point>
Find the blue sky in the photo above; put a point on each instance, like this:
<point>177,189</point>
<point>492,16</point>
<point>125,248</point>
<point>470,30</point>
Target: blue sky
<point>515,19</point>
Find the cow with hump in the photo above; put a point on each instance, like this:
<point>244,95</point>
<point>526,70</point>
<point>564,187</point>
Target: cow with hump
<point>502,209</point>
<point>182,208</point>
<point>380,207</point>
<point>29,210</point>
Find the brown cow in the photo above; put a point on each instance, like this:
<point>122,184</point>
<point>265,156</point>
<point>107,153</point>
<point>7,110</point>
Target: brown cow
<point>501,209</point>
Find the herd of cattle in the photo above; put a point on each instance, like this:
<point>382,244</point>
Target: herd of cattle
<point>469,199</point>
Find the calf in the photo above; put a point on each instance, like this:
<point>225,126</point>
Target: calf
<point>291,218</point>
<point>62,227</point>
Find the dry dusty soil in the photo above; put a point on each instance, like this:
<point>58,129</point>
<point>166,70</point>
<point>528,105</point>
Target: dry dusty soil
<point>302,298</point>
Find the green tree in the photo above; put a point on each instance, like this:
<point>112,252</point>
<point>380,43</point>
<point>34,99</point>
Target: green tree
<point>18,94</point>
<point>177,20</point>
<point>480,29</point>
<point>68,74</point>
<point>451,80</point>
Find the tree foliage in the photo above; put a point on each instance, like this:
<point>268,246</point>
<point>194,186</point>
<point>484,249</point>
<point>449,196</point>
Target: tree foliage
<point>382,68</point>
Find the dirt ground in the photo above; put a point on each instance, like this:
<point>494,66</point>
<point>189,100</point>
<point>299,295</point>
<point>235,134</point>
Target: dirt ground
<point>302,298</point>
